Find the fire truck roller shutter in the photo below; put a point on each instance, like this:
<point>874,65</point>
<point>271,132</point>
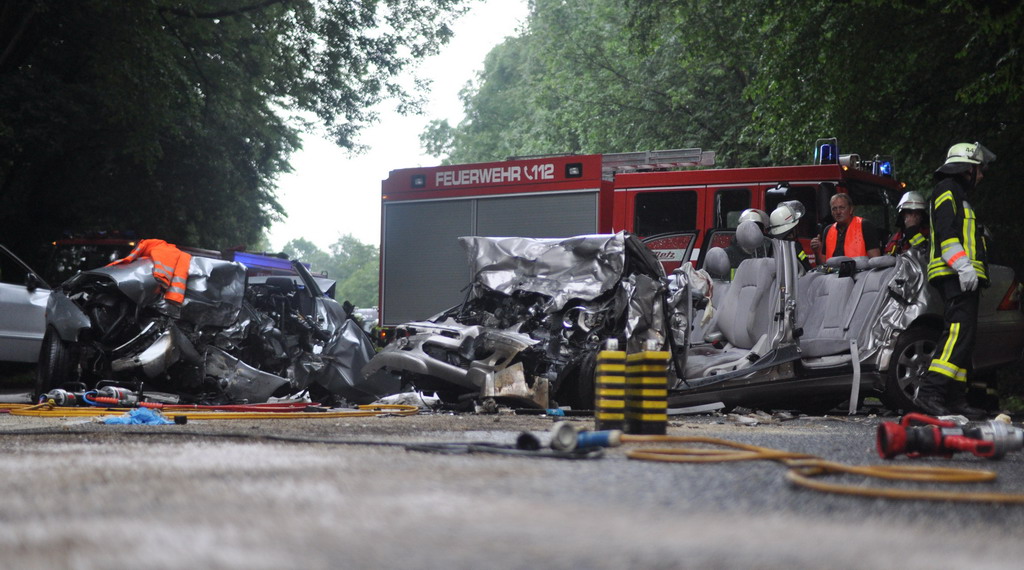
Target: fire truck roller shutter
<point>538,216</point>
<point>425,268</point>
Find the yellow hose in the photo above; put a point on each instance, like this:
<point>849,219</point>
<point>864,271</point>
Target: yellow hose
<point>804,467</point>
<point>48,410</point>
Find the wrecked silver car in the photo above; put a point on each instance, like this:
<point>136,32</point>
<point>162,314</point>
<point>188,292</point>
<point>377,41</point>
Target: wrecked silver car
<point>233,340</point>
<point>774,336</point>
<point>536,314</point>
<point>856,327</point>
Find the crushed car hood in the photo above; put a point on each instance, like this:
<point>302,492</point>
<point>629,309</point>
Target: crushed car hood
<point>582,267</point>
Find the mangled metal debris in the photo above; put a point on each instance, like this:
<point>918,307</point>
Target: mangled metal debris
<point>537,312</point>
<point>230,340</point>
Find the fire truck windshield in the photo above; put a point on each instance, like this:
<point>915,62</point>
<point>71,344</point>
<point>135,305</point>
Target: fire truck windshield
<point>68,258</point>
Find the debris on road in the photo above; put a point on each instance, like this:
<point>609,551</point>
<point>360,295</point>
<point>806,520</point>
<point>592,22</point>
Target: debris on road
<point>139,416</point>
<point>417,399</point>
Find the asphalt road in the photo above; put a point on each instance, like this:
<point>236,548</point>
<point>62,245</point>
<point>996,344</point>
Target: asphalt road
<point>220,494</point>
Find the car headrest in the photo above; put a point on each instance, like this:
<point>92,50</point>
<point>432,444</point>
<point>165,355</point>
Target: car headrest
<point>881,261</point>
<point>837,261</point>
<point>716,263</point>
<point>861,263</point>
<point>749,235</point>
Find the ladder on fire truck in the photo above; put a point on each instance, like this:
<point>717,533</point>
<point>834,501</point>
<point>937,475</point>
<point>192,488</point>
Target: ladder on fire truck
<point>648,160</point>
<point>643,161</point>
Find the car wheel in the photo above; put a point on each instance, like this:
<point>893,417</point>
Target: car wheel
<point>56,363</point>
<point>910,360</point>
<point>576,385</point>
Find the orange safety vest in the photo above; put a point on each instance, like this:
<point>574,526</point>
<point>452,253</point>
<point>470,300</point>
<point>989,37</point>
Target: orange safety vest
<point>170,266</point>
<point>853,244</point>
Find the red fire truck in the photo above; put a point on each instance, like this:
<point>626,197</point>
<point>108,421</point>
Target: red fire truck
<point>680,213</point>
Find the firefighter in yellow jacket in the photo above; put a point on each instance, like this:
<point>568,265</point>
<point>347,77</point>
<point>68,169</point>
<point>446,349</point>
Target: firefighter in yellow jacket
<point>956,267</point>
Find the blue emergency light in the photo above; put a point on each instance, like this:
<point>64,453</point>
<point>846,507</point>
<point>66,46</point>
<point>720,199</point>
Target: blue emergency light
<point>256,261</point>
<point>882,166</point>
<point>826,151</point>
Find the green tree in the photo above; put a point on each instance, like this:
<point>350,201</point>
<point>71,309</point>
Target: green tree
<point>307,252</point>
<point>609,76</point>
<point>358,270</point>
<point>173,118</point>
<point>907,79</point>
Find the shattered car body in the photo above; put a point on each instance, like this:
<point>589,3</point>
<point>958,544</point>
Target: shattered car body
<point>536,313</point>
<point>232,340</point>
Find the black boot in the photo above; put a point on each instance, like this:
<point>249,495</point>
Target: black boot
<point>931,395</point>
<point>956,402</point>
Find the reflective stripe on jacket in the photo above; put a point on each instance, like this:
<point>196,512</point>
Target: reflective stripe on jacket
<point>170,266</point>
<point>853,242</point>
<point>953,223</point>
<point>900,242</point>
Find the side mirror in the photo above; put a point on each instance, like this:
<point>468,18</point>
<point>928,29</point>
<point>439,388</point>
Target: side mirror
<point>32,282</point>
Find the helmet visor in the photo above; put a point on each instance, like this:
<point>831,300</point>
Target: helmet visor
<point>982,154</point>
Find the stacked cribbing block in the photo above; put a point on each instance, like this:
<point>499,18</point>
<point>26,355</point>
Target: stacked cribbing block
<point>647,392</point>
<point>610,390</point>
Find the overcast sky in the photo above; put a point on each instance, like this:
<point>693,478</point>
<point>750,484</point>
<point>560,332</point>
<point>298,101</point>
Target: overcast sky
<point>330,194</point>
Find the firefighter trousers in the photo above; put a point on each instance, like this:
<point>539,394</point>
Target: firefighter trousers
<point>952,358</point>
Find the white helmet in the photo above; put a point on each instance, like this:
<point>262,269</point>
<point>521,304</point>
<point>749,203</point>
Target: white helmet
<point>962,156</point>
<point>912,201</point>
<point>785,217</point>
<point>754,215</point>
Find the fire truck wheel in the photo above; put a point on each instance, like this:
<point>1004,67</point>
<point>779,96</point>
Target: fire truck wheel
<point>56,363</point>
<point>910,360</point>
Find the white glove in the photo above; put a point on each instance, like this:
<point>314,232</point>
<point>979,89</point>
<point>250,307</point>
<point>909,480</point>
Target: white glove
<point>965,271</point>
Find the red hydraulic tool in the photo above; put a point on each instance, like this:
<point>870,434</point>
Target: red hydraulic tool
<point>918,435</point>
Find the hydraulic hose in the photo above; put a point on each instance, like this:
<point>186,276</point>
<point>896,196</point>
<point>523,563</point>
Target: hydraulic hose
<point>213,413</point>
<point>803,468</point>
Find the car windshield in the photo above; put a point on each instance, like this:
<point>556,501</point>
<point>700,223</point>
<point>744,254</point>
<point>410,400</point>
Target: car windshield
<point>874,203</point>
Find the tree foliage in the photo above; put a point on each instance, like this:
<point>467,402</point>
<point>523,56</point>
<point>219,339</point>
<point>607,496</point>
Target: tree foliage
<point>173,118</point>
<point>759,81</point>
<point>606,76</point>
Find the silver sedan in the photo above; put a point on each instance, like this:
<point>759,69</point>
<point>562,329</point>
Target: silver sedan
<point>22,309</point>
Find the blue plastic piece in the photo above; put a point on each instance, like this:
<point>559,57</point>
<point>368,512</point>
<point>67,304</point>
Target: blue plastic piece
<point>605,438</point>
<point>555,412</point>
<point>139,416</point>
